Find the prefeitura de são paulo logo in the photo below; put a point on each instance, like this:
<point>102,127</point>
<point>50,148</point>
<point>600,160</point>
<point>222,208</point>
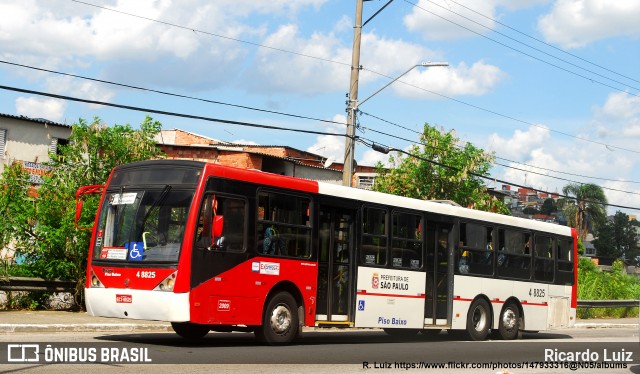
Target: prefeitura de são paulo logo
<point>375,281</point>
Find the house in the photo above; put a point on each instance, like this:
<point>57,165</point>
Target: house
<point>28,141</point>
<point>277,159</point>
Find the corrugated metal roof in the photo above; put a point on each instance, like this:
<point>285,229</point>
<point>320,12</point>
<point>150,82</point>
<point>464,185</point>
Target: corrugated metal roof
<point>36,120</point>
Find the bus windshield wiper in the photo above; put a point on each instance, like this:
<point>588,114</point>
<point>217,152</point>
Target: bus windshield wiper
<point>156,203</point>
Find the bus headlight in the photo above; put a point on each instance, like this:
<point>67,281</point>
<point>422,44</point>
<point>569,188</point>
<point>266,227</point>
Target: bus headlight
<point>95,282</point>
<point>168,283</point>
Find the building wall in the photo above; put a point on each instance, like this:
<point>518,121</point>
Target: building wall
<point>190,153</point>
<point>181,137</point>
<point>28,141</point>
<point>209,154</point>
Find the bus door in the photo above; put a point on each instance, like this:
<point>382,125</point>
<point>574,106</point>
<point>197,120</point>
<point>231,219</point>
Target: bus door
<point>335,273</point>
<point>439,247</point>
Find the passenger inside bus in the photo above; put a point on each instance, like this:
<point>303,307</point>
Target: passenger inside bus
<point>463,264</point>
<point>273,244</point>
<point>488,255</point>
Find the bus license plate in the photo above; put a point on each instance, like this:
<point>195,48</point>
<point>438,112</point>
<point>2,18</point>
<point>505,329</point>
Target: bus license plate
<point>124,299</point>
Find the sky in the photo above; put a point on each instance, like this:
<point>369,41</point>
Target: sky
<point>551,87</point>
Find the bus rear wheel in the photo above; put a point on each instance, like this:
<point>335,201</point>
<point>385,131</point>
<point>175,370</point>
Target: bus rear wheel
<point>478,320</point>
<point>280,321</point>
<point>509,325</point>
<point>190,330</point>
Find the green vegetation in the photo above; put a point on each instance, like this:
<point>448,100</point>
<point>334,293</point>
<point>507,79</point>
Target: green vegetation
<point>616,238</point>
<point>594,284</point>
<point>440,169</point>
<point>40,223</point>
<point>588,205</point>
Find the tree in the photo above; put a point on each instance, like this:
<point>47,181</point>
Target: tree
<point>440,169</point>
<point>617,238</point>
<point>41,224</point>
<point>548,206</point>
<point>585,205</point>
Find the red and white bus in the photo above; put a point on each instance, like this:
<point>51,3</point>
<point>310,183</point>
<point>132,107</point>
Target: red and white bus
<point>215,248</point>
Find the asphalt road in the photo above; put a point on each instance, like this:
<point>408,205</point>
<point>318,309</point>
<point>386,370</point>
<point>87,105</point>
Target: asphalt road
<point>330,351</point>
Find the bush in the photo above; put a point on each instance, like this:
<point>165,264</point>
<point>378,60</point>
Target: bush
<point>594,284</point>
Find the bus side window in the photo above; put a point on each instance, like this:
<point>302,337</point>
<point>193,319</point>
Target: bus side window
<point>221,224</point>
<point>477,252</point>
<point>283,225</point>
<point>514,258</point>
<point>543,259</point>
<point>205,222</point>
<point>406,241</point>
<point>374,236</point>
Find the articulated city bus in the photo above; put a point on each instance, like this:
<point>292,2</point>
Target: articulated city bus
<point>215,248</point>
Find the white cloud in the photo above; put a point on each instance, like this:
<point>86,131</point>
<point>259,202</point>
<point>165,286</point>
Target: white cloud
<point>576,23</point>
<point>521,144</point>
<point>618,119</point>
<point>390,57</point>
<point>621,105</point>
<point>275,71</point>
<point>79,88</point>
<point>371,158</point>
<point>51,109</point>
<point>331,146</point>
<point>452,81</point>
<point>244,142</point>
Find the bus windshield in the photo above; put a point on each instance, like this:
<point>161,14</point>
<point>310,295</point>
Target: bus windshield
<point>142,225</point>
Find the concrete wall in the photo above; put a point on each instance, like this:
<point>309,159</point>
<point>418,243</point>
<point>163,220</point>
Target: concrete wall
<point>29,141</point>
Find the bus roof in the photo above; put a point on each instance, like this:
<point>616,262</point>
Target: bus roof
<point>439,208</point>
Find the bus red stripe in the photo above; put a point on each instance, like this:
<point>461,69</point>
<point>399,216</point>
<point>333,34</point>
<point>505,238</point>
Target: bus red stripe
<point>498,301</point>
<point>365,293</point>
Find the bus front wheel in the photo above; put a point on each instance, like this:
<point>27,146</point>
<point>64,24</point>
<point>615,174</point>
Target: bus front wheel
<point>509,325</point>
<point>190,330</point>
<point>478,320</point>
<point>280,321</point>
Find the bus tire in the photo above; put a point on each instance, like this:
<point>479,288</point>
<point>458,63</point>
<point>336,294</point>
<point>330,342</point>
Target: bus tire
<point>280,321</point>
<point>478,320</point>
<point>509,323</point>
<point>190,330</point>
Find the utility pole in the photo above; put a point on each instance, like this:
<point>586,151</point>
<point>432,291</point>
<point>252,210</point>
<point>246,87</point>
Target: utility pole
<point>352,100</point>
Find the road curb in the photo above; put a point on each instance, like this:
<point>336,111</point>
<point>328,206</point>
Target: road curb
<point>605,325</point>
<point>156,327</point>
<point>83,327</point>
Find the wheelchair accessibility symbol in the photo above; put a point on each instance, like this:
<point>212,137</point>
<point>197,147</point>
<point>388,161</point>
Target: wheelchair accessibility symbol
<point>361,305</point>
<point>136,250</point>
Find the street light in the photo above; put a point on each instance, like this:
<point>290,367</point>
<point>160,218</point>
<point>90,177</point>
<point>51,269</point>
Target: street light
<point>347,171</point>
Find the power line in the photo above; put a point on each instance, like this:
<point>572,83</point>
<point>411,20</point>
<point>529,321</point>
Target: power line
<point>545,43</point>
<point>167,113</point>
<point>503,165</point>
<point>170,93</point>
<point>255,125</point>
<point>504,115</point>
<point>498,157</point>
<point>524,53</point>
<point>377,146</point>
<point>291,115</point>
<point>371,71</point>
<point>525,44</point>
<point>213,34</point>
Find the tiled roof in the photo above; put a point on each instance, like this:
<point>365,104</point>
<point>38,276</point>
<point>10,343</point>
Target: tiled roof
<point>36,120</point>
